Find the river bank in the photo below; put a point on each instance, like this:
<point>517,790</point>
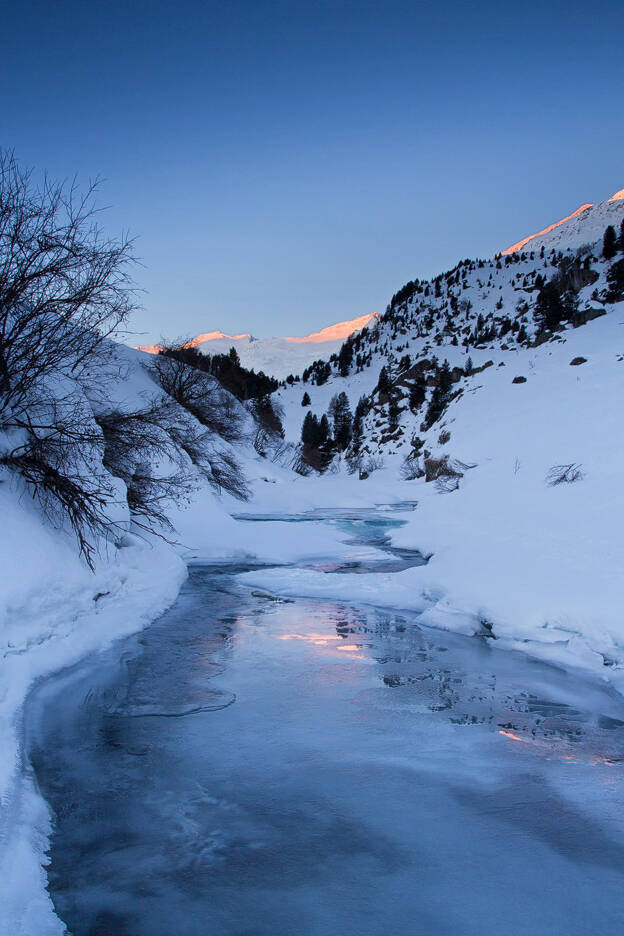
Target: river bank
<point>251,764</point>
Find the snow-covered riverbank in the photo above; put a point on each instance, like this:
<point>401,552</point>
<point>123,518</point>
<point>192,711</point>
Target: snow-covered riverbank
<point>326,767</point>
<point>539,564</point>
<point>54,612</point>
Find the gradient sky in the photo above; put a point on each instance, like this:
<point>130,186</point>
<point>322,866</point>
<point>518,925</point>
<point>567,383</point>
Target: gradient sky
<point>289,164</point>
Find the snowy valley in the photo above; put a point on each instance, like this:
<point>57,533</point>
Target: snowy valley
<point>477,421</point>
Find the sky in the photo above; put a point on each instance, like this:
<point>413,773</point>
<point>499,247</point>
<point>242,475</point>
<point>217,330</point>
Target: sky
<point>285,164</point>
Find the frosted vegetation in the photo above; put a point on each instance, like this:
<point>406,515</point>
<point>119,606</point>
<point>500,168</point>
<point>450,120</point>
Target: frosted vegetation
<point>485,405</point>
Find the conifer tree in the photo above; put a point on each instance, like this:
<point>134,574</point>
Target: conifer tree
<point>343,422</point>
<point>393,411</point>
<point>383,384</point>
<point>345,358</point>
<point>445,378</point>
<point>309,430</point>
<point>418,391</point>
<point>549,308</point>
<point>357,430</point>
<point>305,401</point>
<point>609,243</point>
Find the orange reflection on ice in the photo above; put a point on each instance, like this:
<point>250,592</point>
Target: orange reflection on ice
<point>514,737</point>
<point>326,640</point>
<point>541,745</point>
<point>320,640</point>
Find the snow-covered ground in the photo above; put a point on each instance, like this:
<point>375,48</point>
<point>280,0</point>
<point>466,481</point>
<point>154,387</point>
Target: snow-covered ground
<point>542,564</point>
<point>539,565</point>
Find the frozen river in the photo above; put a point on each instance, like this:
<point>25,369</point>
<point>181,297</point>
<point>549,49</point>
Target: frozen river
<point>252,767</point>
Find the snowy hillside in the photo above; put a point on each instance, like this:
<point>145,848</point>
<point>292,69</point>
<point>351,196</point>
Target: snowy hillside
<point>480,311</point>
<point>515,462</point>
<point>277,357</point>
<point>584,226</point>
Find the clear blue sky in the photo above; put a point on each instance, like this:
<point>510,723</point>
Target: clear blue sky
<point>288,164</point>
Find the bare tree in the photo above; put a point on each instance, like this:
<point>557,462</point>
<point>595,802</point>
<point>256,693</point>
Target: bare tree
<point>64,285</point>
<point>151,450</point>
<point>64,288</point>
<point>202,396</point>
<point>59,458</point>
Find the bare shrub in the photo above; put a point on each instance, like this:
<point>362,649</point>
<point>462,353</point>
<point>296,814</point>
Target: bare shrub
<point>57,465</point>
<point>301,466</point>
<point>149,496</point>
<point>141,444</point>
<point>445,467</point>
<point>368,465</point>
<point>64,288</point>
<point>444,437</point>
<point>135,442</point>
<point>411,468</point>
<point>202,396</point>
<point>564,474</point>
<point>446,472</point>
<point>225,474</point>
<point>445,484</point>
<point>215,463</point>
<point>439,467</point>
<point>262,441</point>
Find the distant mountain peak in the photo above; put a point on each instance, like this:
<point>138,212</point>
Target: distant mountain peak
<point>337,332</point>
<point>276,356</point>
<point>215,336</point>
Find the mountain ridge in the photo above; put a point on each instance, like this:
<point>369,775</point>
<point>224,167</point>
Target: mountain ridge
<point>584,213</point>
<point>276,356</point>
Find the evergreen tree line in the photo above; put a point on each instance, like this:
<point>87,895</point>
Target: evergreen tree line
<point>612,242</point>
<point>242,383</point>
<point>337,430</point>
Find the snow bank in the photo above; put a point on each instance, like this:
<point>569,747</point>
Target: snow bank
<point>540,564</point>
<point>53,611</point>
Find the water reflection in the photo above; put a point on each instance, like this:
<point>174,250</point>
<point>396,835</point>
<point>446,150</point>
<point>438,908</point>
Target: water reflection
<point>470,684</point>
<point>339,769</point>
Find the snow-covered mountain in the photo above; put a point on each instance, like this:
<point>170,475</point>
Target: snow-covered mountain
<point>477,308</point>
<point>514,450</point>
<point>584,226</point>
<point>277,357</point>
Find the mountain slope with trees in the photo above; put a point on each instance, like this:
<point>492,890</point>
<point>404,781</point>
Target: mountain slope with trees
<point>437,337</point>
<point>490,397</point>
